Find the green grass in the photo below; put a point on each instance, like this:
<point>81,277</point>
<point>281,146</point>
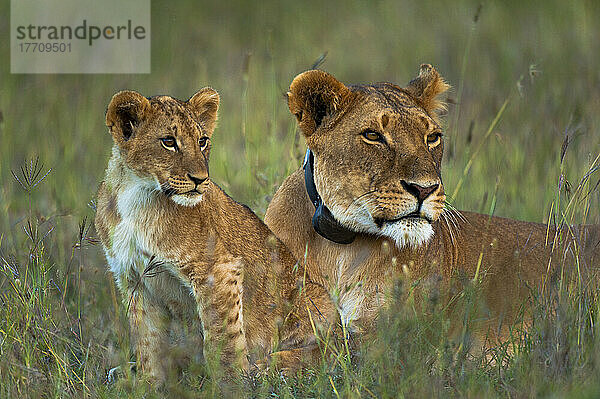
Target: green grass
<point>63,326</point>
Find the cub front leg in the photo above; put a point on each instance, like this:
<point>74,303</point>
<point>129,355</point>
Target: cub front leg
<point>149,322</point>
<point>219,298</point>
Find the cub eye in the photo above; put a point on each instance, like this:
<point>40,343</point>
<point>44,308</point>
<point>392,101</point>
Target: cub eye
<point>372,135</point>
<point>433,139</point>
<point>169,143</point>
<point>203,141</point>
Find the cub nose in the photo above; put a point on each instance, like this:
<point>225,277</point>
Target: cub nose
<point>198,180</point>
<point>419,191</point>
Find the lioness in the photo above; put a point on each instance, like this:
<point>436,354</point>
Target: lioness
<point>369,202</point>
<point>159,211</point>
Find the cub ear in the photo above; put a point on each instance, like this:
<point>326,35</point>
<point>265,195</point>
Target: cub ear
<point>125,112</point>
<point>205,104</point>
<point>313,96</point>
<point>426,87</point>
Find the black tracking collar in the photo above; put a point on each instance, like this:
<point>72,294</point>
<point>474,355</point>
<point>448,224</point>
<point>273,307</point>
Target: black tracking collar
<point>323,221</point>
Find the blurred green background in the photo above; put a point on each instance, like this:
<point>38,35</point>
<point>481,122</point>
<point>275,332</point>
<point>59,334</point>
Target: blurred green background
<point>541,57</point>
<point>250,53</point>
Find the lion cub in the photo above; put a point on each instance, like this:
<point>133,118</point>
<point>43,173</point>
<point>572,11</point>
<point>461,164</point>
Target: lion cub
<point>168,231</point>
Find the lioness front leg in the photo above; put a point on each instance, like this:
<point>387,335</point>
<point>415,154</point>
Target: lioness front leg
<point>308,331</point>
<point>219,298</point>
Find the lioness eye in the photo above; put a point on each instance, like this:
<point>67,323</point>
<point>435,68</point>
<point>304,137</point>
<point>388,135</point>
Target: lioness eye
<point>372,135</point>
<point>203,141</point>
<point>169,143</point>
<point>433,138</point>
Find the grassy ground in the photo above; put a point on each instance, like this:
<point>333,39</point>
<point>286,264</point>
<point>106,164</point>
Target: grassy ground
<point>63,327</point>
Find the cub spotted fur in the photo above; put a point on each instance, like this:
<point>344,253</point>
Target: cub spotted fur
<point>169,231</point>
<point>370,202</point>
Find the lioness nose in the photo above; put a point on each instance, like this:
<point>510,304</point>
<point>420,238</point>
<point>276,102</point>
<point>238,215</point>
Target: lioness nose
<point>197,179</point>
<point>419,191</point>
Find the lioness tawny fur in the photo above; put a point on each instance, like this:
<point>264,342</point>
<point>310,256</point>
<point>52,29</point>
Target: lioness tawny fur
<point>377,159</point>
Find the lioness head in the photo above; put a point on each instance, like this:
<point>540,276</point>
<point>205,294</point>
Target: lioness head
<point>377,151</point>
<point>166,142</point>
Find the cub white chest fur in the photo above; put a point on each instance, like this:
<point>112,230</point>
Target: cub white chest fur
<point>132,243</point>
<point>129,249</point>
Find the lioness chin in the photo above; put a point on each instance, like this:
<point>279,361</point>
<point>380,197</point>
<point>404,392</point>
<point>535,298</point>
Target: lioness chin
<point>369,202</point>
<point>168,231</point>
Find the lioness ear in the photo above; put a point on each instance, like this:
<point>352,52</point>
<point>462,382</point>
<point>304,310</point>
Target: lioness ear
<point>313,96</point>
<point>125,112</point>
<point>205,104</point>
<point>426,87</point>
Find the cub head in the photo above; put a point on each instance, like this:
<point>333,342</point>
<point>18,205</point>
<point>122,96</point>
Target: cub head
<point>166,142</point>
<point>377,151</point>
